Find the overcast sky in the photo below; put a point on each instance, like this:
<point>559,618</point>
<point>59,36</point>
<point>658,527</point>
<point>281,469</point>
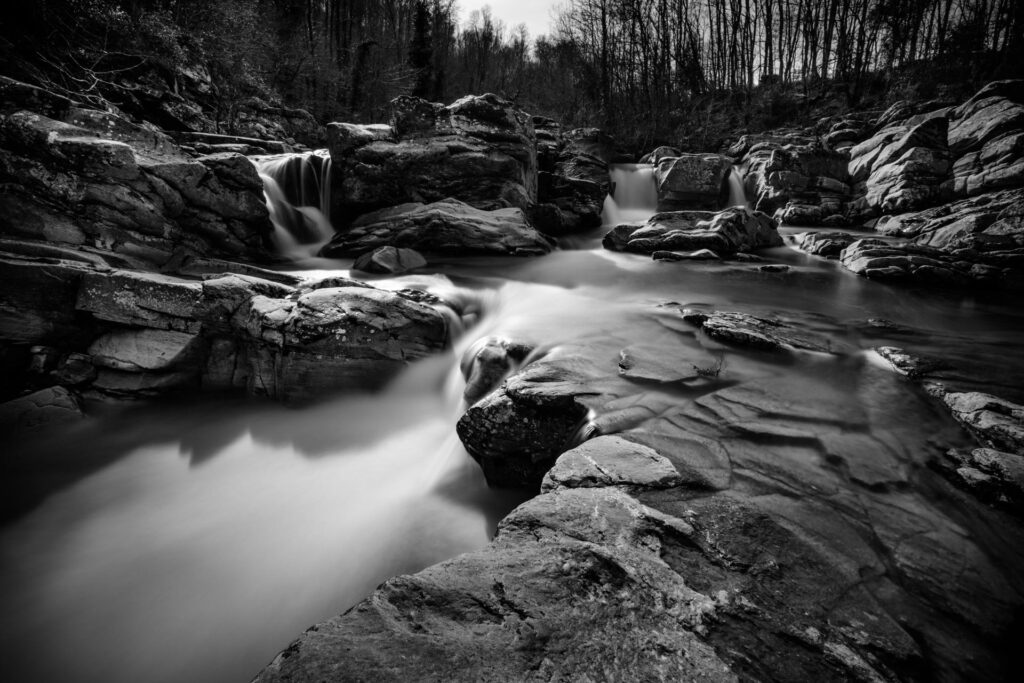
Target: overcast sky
<point>536,14</point>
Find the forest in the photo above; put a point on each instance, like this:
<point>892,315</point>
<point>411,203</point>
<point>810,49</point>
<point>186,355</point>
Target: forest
<point>648,71</point>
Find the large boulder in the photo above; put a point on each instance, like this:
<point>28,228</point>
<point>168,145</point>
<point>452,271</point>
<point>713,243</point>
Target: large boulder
<point>479,150</point>
<point>726,232</point>
<point>692,181</point>
<point>447,227</point>
<point>84,177</point>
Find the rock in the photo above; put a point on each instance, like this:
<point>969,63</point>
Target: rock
<point>37,301</point>
<point>759,333</point>
<point>478,150</point>
<point>986,136</point>
<point>904,167</point>
<point>656,363</point>
<point>905,363</point>
<point>567,205</point>
<point>774,268</point>
<point>142,300</point>
<point>659,153</point>
<point>586,155</point>
<point>892,262</point>
<point>809,179</point>
<point>389,260</point>
<point>145,350</point>
<point>447,227</point>
<point>698,255</point>
<point>692,181</point>
<point>333,339</point>
<point>93,178</point>
<point>993,476</point>
<point>997,423</point>
<point>726,232</point>
<point>42,410</point>
<point>487,362</point>
<point>611,461</point>
<point>518,431</point>
<point>825,244</point>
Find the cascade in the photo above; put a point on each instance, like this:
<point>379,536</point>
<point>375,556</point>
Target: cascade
<point>298,193</point>
<point>737,191</point>
<point>634,196</point>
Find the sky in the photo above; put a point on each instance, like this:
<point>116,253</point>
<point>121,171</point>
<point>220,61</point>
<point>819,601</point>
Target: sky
<point>536,14</point>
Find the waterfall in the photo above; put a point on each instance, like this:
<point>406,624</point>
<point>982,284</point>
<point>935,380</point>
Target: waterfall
<point>298,192</point>
<point>737,191</point>
<point>634,196</point>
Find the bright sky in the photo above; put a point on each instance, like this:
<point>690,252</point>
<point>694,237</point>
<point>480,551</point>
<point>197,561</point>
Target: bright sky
<point>536,14</point>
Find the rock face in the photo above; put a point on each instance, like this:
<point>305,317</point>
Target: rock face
<point>692,182</point>
<point>82,177</point>
<point>825,244</point>
<point>448,227</point>
<point>479,150</point>
<point>389,260</point>
<point>725,233</point>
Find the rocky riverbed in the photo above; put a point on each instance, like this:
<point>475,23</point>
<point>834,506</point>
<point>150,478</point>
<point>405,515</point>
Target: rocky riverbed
<point>742,461</point>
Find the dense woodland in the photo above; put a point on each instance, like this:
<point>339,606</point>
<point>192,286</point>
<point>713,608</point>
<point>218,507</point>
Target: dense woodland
<point>649,71</point>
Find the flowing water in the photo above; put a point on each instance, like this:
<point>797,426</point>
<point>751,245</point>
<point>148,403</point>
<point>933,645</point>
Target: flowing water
<point>192,542</point>
<point>297,188</point>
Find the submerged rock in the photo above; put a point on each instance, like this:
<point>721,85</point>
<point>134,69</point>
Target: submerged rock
<point>725,233</point>
<point>756,332</point>
<point>448,227</point>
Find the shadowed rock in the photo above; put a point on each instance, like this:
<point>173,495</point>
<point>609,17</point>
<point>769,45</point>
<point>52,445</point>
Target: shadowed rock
<point>724,233</point>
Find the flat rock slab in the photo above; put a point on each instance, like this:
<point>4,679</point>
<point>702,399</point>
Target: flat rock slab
<point>611,461</point>
<point>145,349</point>
<point>768,334</point>
<point>724,233</point>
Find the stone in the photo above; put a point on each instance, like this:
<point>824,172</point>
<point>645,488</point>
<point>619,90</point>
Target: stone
<point>611,461</point>
<point>997,423</point>
<point>389,260</point>
<point>487,362</point>
<point>586,154</point>
<point>145,350</point>
<point>448,227</point>
<point>828,245</point>
<point>995,477</point>
<point>692,181</point>
<point>39,411</point>
<point>986,134</point>
<point>654,157</point>
<point>517,431</point>
<point>760,333</point>
<point>725,233</point>
<point>142,299</point>
<point>480,150</point>
<point>698,255</point>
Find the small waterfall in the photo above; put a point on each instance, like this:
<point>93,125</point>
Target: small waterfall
<point>737,191</point>
<point>298,192</point>
<point>634,196</point>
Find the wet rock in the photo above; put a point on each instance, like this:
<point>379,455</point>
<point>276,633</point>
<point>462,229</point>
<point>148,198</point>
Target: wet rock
<point>825,244</point>
<point>756,332</point>
<point>725,233</point>
<point>808,182</point>
<point>478,150</point>
<point>487,362</point>
<point>658,363</point>
<point>586,155</point>
<point>39,411</point>
<point>880,260</point>
<point>567,205</point>
<point>611,461</point>
<point>518,431</point>
<point>389,260</point>
<point>905,363</point>
<point>774,268</point>
<point>447,227</point>
<point>692,181</point>
<point>37,301</point>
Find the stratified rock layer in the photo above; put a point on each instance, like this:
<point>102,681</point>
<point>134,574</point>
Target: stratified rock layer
<point>724,233</point>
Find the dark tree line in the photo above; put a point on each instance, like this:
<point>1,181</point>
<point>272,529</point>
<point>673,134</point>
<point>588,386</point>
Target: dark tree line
<point>646,69</point>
